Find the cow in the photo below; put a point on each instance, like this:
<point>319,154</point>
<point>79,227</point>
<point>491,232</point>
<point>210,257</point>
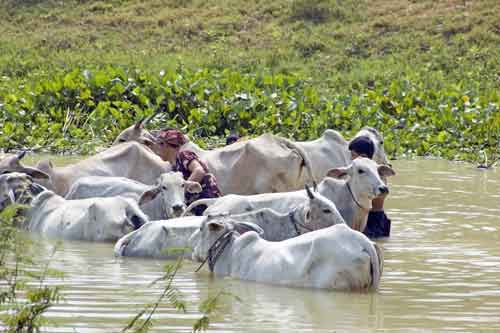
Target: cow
<point>130,160</point>
<point>164,239</point>
<point>310,203</point>
<point>237,165</point>
<point>336,257</point>
<point>157,239</point>
<point>352,189</point>
<point>267,163</point>
<point>12,163</point>
<point>95,219</point>
<point>164,200</point>
<point>331,150</point>
<point>264,164</point>
<point>359,183</point>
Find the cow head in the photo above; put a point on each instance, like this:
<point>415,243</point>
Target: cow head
<point>379,156</point>
<point>364,178</point>
<point>320,212</point>
<point>122,217</point>
<point>139,133</point>
<point>171,188</point>
<point>16,187</point>
<point>12,163</point>
<point>213,230</point>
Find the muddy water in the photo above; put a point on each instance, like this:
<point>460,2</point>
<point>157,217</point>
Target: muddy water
<point>441,273</point>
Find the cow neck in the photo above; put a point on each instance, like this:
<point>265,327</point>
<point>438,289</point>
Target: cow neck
<point>367,209</point>
<point>217,249</point>
<point>296,222</point>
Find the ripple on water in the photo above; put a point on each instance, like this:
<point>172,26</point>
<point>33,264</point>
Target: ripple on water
<point>441,269</point>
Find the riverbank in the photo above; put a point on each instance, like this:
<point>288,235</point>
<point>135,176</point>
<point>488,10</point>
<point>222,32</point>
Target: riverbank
<point>73,74</point>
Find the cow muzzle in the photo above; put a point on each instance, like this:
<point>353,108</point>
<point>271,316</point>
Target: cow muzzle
<point>382,190</point>
<point>178,210</point>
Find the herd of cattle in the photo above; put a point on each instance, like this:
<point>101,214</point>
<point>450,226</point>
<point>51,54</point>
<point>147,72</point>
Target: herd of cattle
<point>291,214</point>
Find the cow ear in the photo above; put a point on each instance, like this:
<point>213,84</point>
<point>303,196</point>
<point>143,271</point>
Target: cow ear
<point>309,193</point>
<point>44,166</point>
<point>148,195</point>
<point>242,227</point>
<point>35,173</point>
<point>193,187</point>
<point>148,143</point>
<point>215,226</point>
<point>385,171</point>
<point>338,173</point>
<point>93,213</point>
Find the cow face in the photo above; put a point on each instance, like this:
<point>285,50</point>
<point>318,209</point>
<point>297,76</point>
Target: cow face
<point>12,163</point>
<point>379,156</point>
<point>114,221</point>
<point>16,187</point>
<point>365,178</point>
<point>138,133</point>
<point>210,231</point>
<point>320,212</point>
<point>171,190</point>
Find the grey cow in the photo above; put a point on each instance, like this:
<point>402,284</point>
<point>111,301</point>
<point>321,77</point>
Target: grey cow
<point>352,194</point>
<point>95,219</point>
<point>161,201</point>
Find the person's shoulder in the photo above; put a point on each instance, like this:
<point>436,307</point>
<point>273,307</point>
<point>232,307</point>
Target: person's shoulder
<point>187,154</point>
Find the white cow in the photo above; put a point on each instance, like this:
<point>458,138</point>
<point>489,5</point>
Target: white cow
<point>157,238</point>
<point>12,163</point>
<point>95,219</point>
<point>333,258</point>
<point>270,163</point>
<point>331,150</point>
<point>353,188</point>
<point>131,160</point>
<point>164,200</point>
<point>352,196</point>
<point>267,163</point>
<point>165,239</point>
<point>314,205</point>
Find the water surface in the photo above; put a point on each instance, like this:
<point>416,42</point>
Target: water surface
<point>441,272</point>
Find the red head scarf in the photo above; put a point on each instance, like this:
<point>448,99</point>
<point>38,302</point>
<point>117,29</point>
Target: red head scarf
<point>172,137</point>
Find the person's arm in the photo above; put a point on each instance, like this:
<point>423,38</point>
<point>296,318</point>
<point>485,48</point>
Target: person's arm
<point>378,202</point>
<point>197,171</point>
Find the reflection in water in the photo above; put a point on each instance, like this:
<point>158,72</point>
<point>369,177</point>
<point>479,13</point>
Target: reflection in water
<point>441,272</point>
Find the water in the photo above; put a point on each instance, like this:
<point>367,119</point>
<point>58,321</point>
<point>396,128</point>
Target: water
<point>441,272</point>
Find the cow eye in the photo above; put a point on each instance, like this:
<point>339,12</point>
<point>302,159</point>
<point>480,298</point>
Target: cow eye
<point>381,143</point>
<point>327,211</point>
<point>164,188</point>
<point>361,171</point>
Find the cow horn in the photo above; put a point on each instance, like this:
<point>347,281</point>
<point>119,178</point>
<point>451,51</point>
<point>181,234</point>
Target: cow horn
<point>139,123</point>
<point>151,117</point>
<point>315,186</point>
<point>309,193</point>
<point>21,154</point>
<point>12,196</point>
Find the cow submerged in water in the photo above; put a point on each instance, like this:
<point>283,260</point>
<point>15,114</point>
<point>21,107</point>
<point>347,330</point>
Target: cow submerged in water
<point>95,219</point>
<point>336,257</point>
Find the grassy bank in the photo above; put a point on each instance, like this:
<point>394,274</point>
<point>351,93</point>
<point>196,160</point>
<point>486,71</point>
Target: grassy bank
<point>426,73</point>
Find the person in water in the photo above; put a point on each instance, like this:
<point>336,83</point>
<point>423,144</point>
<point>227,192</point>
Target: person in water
<point>378,224</point>
<point>189,164</point>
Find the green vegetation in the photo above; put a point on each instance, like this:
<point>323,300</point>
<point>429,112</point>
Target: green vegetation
<point>24,294</point>
<point>143,322</point>
<point>425,73</point>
